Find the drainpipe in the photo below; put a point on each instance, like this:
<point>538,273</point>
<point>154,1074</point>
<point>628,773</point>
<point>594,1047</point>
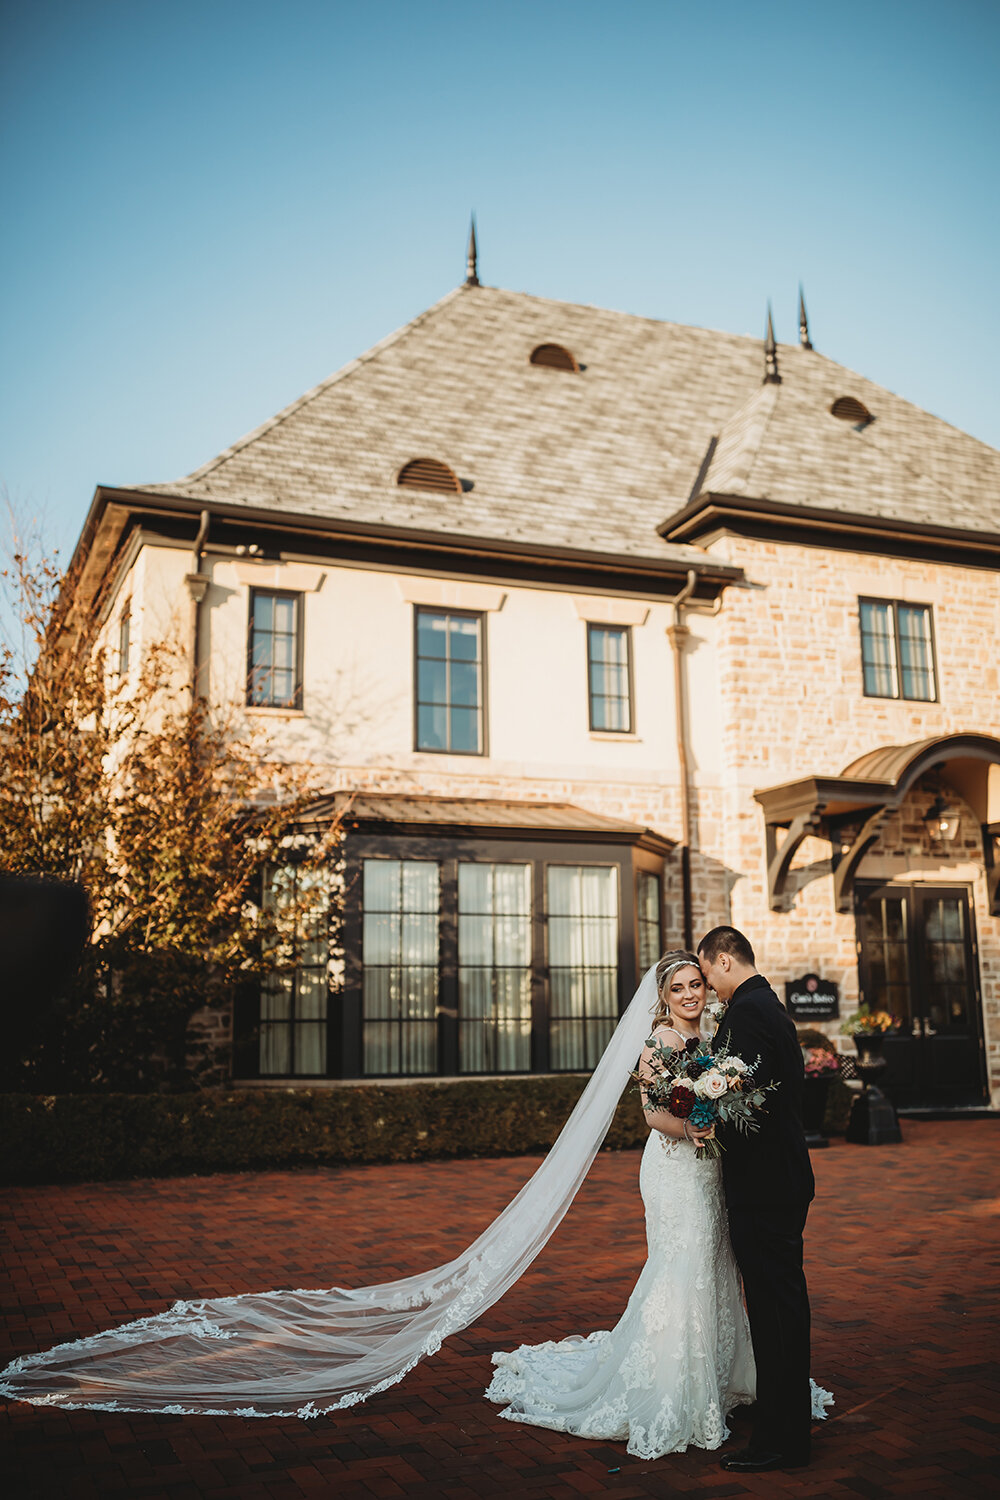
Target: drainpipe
<point>677,634</point>
<point>197,583</point>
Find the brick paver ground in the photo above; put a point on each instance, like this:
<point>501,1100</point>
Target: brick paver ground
<point>904,1269</point>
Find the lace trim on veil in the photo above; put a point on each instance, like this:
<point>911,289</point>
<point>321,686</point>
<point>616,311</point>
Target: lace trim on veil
<point>307,1352</point>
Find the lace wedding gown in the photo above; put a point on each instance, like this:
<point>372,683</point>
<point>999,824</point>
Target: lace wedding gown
<point>680,1356</point>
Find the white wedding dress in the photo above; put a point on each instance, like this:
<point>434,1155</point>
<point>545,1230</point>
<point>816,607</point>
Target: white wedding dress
<point>680,1357</point>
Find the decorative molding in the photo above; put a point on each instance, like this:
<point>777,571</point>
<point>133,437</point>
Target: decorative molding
<point>447,593</point>
<point>597,611</point>
<point>302,578</point>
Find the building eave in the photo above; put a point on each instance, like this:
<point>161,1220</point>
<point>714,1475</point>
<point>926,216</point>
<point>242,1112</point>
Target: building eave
<point>711,513</point>
<point>114,509</point>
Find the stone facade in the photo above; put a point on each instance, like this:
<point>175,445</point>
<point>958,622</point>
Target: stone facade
<point>790,682</point>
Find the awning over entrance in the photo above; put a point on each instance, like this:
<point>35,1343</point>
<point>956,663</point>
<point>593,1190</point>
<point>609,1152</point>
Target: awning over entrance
<point>484,816</point>
<point>875,785</point>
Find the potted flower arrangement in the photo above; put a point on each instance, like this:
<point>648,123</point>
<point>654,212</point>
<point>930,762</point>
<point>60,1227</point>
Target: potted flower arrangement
<point>868,1029</point>
<point>873,1119</point>
<point>822,1065</point>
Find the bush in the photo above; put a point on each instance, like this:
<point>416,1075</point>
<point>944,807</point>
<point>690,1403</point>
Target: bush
<point>838,1107</point>
<point>810,1036</point>
<point>81,1137</point>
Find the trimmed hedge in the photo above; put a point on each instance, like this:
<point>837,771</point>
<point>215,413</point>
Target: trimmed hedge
<point>93,1137</point>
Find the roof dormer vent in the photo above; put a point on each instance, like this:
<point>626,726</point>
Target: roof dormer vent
<point>850,409</point>
<point>429,474</point>
<point>554,357</point>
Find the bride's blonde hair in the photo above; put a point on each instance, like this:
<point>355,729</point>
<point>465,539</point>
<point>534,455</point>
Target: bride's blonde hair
<point>677,958</point>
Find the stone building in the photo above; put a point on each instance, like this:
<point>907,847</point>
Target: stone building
<point>609,630</point>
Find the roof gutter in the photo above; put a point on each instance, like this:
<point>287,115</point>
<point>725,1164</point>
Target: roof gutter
<point>677,634</point>
<point>502,548</point>
<point>197,584</point>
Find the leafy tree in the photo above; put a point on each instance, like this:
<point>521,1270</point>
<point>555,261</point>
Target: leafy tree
<point>168,813</point>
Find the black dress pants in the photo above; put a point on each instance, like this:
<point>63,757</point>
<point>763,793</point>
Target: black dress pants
<point>767,1243</point>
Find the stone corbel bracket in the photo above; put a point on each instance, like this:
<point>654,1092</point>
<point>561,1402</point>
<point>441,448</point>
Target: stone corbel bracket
<point>991,862</point>
<point>779,857</point>
<point>846,867</point>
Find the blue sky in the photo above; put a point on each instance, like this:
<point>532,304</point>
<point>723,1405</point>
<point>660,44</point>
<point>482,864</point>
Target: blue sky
<point>208,207</point>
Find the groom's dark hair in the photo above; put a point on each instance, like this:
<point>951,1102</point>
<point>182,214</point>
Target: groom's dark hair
<point>726,940</point>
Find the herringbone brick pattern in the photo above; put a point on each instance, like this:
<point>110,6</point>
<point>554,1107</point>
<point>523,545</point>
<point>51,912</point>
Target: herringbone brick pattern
<point>904,1267</point>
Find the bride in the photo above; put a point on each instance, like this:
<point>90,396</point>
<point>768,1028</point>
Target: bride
<point>680,1356</point>
<point>666,1376</point>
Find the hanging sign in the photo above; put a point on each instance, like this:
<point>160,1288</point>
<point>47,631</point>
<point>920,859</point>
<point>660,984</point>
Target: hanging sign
<point>812,999</point>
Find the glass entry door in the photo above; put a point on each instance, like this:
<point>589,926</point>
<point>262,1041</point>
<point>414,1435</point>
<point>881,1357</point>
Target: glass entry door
<point>917,959</point>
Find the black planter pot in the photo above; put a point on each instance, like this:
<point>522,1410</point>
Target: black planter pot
<point>869,1048</point>
<point>814,1096</point>
<point>873,1121</point>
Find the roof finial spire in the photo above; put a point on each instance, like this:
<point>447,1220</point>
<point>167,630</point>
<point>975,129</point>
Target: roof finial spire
<point>471,264</point>
<point>771,376</point>
<point>804,339</point>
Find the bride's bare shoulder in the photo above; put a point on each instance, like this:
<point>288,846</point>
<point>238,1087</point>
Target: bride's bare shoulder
<point>664,1034</point>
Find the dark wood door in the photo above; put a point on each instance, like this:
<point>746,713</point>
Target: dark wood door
<point>917,958</point>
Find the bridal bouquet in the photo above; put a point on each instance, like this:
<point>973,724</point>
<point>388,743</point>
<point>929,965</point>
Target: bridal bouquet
<point>705,1088</point>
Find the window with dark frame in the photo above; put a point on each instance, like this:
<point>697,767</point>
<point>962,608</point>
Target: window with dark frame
<point>502,961</point>
<point>648,908</point>
<point>449,674</point>
<point>400,954</point>
<point>897,650</point>
<point>503,964</point>
<point>582,912</point>
<point>274,649</point>
<point>124,639</point>
<point>494,967</point>
<point>609,671</point>
<point>293,998</point>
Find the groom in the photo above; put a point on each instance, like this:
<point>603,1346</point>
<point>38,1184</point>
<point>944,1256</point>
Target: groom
<point>768,1183</point>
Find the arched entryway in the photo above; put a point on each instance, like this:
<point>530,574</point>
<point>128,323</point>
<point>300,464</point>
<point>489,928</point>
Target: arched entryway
<point>914,833</point>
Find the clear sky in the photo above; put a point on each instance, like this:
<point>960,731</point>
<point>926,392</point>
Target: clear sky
<point>210,205</point>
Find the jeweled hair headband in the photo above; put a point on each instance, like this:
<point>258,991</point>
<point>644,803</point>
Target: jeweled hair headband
<point>680,963</point>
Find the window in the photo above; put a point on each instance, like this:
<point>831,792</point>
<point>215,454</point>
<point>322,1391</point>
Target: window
<point>449,679</point>
<point>609,664</point>
<point>648,908</point>
<point>452,956</point>
<point>494,967</point>
<point>401,899</point>
<point>583,962</point>
<point>124,639</point>
<point>274,650</point>
<point>293,999</point>
<point>897,650</point>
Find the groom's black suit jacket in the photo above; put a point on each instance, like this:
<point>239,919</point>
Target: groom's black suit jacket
<point>771,1166</point>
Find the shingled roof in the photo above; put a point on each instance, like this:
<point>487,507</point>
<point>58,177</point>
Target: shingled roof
<point>599,459</point>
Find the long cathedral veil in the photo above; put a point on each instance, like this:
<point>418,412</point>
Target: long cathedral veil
<point>304,1353</point>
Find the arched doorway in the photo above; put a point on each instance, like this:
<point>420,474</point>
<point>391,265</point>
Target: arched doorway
<point>915,845</point>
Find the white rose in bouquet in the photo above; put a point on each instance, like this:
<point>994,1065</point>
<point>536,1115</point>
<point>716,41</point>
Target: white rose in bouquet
<point>712,1085</point>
